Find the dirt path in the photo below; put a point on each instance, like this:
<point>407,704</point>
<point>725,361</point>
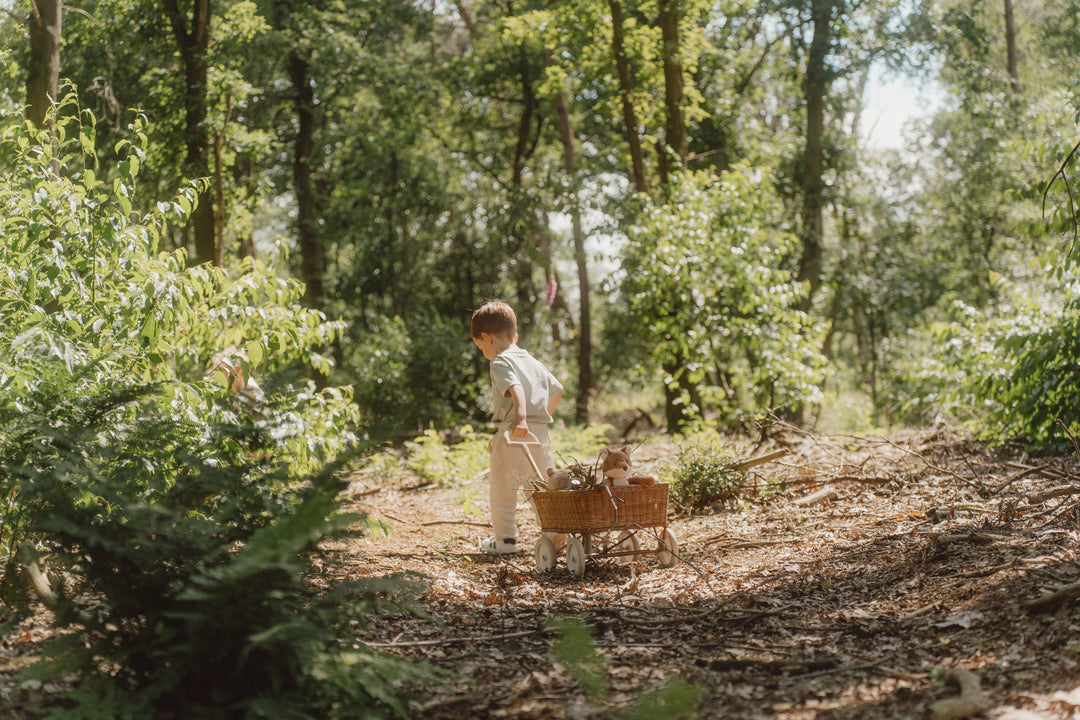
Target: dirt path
<point>926,559</point>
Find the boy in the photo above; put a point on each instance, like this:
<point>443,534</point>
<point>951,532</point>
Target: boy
<point>524,394</point>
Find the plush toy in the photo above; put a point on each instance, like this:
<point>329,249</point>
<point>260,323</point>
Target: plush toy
<point>558,479</point>
<point>616,468</point>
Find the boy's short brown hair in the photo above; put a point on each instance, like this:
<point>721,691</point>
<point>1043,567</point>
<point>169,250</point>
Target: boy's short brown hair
<point>493,317</point>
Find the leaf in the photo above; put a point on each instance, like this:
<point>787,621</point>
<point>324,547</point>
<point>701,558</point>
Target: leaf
<point>255,353</point>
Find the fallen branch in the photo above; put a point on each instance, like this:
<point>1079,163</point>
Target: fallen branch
<point>1060,491</point>
<point>455,640</point>
<point>971,700</point>
<point>1020,476</point>
<point>792,665</point>
<point>1052,600</point>
<point>823,495</point>
<point>744,465</point>
<point>452,522</point>
<point>39,581</point>
<point>432,522</point>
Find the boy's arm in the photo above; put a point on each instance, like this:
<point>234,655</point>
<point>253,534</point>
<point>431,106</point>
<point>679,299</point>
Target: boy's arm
<point>553,402</point>
<point>520,428</point>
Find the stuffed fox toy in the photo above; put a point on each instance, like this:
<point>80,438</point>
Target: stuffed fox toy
<point>616,468</point>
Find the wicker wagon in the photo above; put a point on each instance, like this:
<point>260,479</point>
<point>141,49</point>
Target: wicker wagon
<point>590,517</point>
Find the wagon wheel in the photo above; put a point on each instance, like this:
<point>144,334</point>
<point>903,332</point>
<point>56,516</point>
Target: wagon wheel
<point>545,555</point>
<point>668,548</point>
<point>575,556</point>
<point>627,541</point>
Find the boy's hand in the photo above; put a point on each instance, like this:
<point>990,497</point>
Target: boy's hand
<point>520,430</point>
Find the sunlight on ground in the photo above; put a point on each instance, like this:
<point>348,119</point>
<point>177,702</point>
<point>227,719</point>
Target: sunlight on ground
<point>847,412</point>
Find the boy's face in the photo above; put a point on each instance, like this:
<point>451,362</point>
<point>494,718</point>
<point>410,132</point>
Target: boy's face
<point>486,343</point>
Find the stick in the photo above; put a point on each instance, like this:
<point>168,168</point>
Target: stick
<point>451,641</point>
<point>1040,498</point>
<point>744,465</point>
<point>43,588</point>
<point>823,495</point>
<point>1021,476</point>
<point>1052,600</point>
<point>971,700</point>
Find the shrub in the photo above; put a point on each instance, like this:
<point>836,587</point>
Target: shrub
<point>179,577</point>
<point>436,461</point>
<point>700,476</point>
<point>176,528</point>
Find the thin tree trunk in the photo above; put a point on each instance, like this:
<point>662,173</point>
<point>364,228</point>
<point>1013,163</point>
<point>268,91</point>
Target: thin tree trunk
<point>586,381</point>
<point>43,74</point>
<point>312,262</point>
<point>219,187</point>
<point>526,141</point>
<point>1010,47</point>
<point>675,150</point>
<point>675,132</point>
<point>193,45</point>
<point>626,93</point>
<point>816,87</point>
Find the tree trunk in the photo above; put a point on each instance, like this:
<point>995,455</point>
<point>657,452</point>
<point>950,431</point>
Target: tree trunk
<point>586,381</point>
<point>219,187</point>
<point>1010,47</point>
<point>193,45</point>
<point>312,262</point>
<point>526,140</point>
<point>43,75</point>
<point>675,131</point>
<point>816,87</point>
<point>626,93</point>
<point>674,151</point>
<point>676,410</point>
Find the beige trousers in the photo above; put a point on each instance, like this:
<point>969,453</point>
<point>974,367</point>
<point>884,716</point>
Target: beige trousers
<point>510,469</point>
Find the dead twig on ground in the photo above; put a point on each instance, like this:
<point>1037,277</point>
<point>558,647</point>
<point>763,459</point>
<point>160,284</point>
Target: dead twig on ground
<point>455,640</point>
<point>1027,471</point>
<point>1054,599</point>
<point>971,700</point>
<point>823,495</point>
<point>1051,493</point>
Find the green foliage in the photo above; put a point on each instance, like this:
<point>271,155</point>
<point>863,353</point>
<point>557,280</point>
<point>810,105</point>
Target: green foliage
<point>432,459</point>
<point>703,294</point>
<point>699,475</point>
<point>675,700</point>
<point>1014,373</point>
<point>576,650</point>
<point>399,366</point>
<point>179,567</point>
<point>176,526</point>
<point>83,284</point>
<point>579,444</point>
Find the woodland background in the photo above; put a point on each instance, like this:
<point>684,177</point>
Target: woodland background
<point>676,196</point>
<point>698,168</point>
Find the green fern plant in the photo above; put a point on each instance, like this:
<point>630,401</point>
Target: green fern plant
<point>180,578</point>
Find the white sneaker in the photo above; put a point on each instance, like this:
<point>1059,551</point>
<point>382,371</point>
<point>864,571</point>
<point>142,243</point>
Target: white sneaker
<point>496,546</point>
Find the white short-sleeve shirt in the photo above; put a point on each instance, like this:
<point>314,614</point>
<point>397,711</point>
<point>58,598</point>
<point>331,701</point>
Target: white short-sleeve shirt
<point>515,366</point>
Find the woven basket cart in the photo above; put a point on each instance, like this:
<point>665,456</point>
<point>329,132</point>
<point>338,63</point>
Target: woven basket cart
<point>595,510</point>
<point>585,514</point>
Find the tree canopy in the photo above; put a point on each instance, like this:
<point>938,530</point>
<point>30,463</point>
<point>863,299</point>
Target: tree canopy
<point>594,164</point>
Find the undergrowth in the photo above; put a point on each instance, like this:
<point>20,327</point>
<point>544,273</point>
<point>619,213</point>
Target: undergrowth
<point>700,476</point>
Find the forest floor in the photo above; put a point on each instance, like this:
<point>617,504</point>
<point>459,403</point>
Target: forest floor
<point>929,553</point>
<point>870,569</point>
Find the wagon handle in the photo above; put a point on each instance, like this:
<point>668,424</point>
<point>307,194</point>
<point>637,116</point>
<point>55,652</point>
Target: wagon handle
<point>524,444</point>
